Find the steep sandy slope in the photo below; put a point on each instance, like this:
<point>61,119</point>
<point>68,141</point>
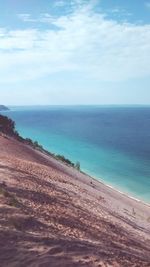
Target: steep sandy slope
<point>52,215</point>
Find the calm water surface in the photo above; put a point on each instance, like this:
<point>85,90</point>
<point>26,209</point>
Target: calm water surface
<point>111,143</point>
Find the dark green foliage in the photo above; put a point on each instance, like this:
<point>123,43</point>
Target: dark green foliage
<point>4,192</point>
<point>7,125</point>
<point>35,144</point>
<point>67,161</point>
<point>11,200</point>
<point>77,165</point>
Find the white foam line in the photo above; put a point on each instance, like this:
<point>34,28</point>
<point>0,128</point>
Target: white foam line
<point>98,179</point>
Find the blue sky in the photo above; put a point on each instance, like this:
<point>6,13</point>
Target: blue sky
<point>74,52</point>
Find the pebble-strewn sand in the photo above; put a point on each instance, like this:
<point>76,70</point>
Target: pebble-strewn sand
<point>52,215</point>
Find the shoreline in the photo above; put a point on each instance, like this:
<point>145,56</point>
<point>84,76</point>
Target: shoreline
<point>98,179</point>
<point>111,185</point>
<point>125,207</point>
<point>101,181</point>
<point>125,194</point>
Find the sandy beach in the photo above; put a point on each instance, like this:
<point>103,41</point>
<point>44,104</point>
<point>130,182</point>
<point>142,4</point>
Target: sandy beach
<point>53,215</point>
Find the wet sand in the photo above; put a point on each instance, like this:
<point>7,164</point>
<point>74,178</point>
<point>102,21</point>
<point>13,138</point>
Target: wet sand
<point>53,215</point>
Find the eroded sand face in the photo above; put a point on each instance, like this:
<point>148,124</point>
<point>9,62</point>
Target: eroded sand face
<point>52,215</point>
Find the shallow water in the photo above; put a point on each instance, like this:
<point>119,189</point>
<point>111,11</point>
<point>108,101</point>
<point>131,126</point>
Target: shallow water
<point>111,143</point>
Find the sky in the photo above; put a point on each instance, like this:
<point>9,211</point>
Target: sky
<point>73,52</point>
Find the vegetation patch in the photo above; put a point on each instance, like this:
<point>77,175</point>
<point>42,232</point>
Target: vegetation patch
<point>4,193</point>
<point>11,200</point>
<point>68,162</point>
<point>20,222</point>
<point>25,223</point>
<point>7,126</point>
<point>65,160</point>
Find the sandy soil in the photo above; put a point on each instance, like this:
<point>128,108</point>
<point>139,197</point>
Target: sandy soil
<point>52,215</point>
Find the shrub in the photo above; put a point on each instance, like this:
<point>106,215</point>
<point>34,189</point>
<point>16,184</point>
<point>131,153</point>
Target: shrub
<point>11,200</point>
<point>77,165</point>
<point>7,125</point>
<point>67,161</point>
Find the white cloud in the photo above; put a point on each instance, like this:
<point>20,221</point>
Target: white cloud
<point>120,12</point>
<point>26,17</point>
<point>86,42</point>
<point>44,18</point>
<point>59,3</point>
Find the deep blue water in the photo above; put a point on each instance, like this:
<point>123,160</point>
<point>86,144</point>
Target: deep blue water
<point>111,143</point>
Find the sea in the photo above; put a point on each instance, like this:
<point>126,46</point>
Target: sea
<point>112,143</point>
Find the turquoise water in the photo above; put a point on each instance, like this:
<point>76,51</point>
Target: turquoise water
<point>111,143</point>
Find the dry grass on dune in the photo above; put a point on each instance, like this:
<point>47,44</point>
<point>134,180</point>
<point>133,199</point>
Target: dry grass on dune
<point>51,215</point>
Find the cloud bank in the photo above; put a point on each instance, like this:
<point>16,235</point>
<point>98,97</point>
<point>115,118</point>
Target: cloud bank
<point>81,41</point>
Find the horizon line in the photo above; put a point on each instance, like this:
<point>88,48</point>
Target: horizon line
<point>65,105</point>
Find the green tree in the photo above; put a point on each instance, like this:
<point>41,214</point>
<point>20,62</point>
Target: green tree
<point>77,165</point>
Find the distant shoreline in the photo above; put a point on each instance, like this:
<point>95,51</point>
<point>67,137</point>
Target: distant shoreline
<point>4,108</point>
<point>81,105</point>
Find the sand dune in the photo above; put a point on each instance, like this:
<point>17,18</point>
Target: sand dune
<point>53,215</point>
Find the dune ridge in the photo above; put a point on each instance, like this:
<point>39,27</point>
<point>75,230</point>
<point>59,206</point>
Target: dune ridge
<point>53,215</point>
